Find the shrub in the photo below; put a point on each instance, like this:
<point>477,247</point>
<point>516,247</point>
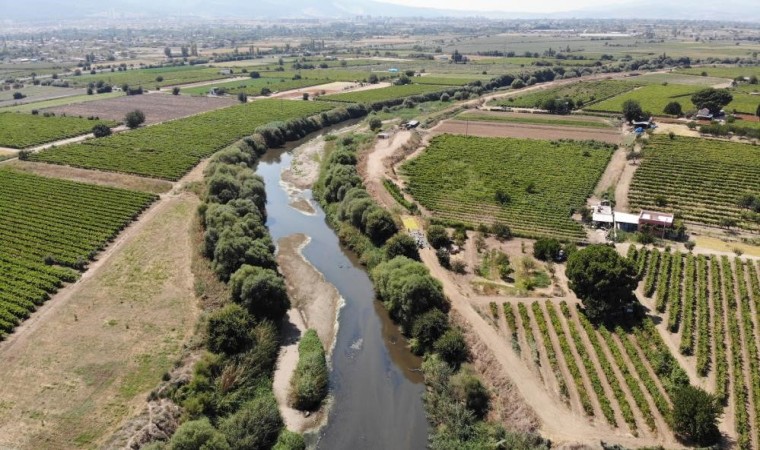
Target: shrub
<point>255,425</point>
<point>308,386</point>
<point>134,119</point>
<point>289,441</point>
<point>444,258</point>
<point>375,123</point>
<point>18,96</point>
<point>469,390</point>
<point>673,108</point>
<point>452,348</point>
<point>695,416</point>
<point>227,330</point>
<point>242,97</point>
<point>401,244</point>
<point>427,329</point>
<point>261,291</point>
<point>175,90</point>
<point>198,434</point>
<point>437,236</point>
<point>546,249</point>
<point>101,130</point>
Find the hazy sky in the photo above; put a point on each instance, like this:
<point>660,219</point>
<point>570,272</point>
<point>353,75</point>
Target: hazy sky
<point>541,6</point>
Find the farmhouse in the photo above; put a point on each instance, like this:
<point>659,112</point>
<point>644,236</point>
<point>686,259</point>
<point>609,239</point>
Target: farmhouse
<point>604,216</point>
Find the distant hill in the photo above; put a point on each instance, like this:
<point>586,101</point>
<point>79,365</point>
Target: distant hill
<point>744,10</point>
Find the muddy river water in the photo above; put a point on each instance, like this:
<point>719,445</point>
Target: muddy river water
<point>375,384</point>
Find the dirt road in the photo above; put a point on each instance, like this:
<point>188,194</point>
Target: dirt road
<point>376,167</point>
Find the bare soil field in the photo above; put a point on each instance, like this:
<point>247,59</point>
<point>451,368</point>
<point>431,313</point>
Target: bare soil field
<point>118,180</point>
<point>86,360</point>
<point>501,129</point>
<point>157,107</point>
<point>336,87</point>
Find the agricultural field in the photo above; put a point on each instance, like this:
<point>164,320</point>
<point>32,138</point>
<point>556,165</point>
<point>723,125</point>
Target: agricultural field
<point>712,305</point>
<point>443,81</point>
<point>730,72</point>
<point>652,98</point>
<point>149,78</point>
<point>678,78</point>
<point>36,93</point>
<point>624,378</point>
<point>540,183</point>
<point>169,150</point>
<point>700,179</point>
<point>320,74</point>
<point>386,94</point>
<point>157,107</point>
<point>254,86</point>
<point>62,101</point>
<point>582,93</point>
<point>50,229</point>
<point>538,119</point>
<point>26,130</point>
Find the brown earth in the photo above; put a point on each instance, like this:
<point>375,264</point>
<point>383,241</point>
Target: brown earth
<point>526,131</point>
<point>86,359</point>
<point>157,107</point>
<point>123,181</point>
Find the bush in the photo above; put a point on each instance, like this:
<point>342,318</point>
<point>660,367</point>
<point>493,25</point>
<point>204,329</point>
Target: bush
<point>18,96</point>
<point>452,348</point>
<point>289,441</point>
<point>175,90</point>
<point>101,130</point>
<point>444,258</point>
<point>546,249</point>
<point>255,425</point>
<point>518,84</point>
<point>501,231</point>
<point>427,329</point>
<point>227,330</point>
<point>673,108</point>
<point>308,386</point>
<point>198,434</point>
<point>375,123</point>
<point>134,119</point>
<point>401,244</point>
<point>468,389</point>
<point>437,236</point>
<point>261,291</point>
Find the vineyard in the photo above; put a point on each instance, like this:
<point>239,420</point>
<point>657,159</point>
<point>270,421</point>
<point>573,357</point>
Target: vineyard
<point>26,130</point>
<point>443,81</point>
<point>149,78</point>
<point>701,179</point>
<point>386,93</point>
<point>712,306</point>
<point>539,183</point>
<point>583,93</point>
<point>624,378</point>
<point>538,119</point>
<point>49,228</point>
<point>170,149</point>
<point>254,86</point>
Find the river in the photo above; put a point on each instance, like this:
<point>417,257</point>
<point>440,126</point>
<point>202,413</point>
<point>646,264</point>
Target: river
<point>374,381</point>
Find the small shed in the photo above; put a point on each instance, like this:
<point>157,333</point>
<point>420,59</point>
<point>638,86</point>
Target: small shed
<point>383,135</point>
<point>657,220</point>
<point>412,124</point>
<point>225,72</point>
<point>626,222</point>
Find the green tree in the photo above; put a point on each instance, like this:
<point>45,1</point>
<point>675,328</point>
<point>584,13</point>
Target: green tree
<point>712,99</point>
<point>261,291</point>
<point>501,231</point>
<point>401,244</point>
<point>437,236</point>
<point>255,425</point>
<point>602,279</point>
<point>101,130</point>
<point>175,90</point>
<point>134,119</point>
<point>673,108</point>
<point>379,225</point>
<point>372,79</point>
<point>375,123</point>
<point>287,440</point>
<point>198,435</point>
<point>632,110</point>
<point>427,329</point>
<point>168,52</point>
<point>227,330</point>
<point>546,249</point>
<point>695,416</point>
<point>469,390</point>
<point>242,97</point>
<point>452,347</point>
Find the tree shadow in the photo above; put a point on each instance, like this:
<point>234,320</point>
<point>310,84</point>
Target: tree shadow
<point>289,332</point>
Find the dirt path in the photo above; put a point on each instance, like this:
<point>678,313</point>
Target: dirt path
<point>624,186</point>
<point>86,359</point>
<point>529,131</point>
<point>374,165</point>
<point>611,176</point>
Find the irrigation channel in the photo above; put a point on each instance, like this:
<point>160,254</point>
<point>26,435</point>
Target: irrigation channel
<point>375,382</point>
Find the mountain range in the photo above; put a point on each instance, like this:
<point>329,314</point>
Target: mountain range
<point>741,10</point>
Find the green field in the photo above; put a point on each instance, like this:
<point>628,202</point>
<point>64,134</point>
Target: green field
<point>33,93</point>
<point>652,98</point>
<point>148,78</point>
<point>723,71</point>
<point>170,149</point>
<point>582,93</point>
<point>457,179</point>
<point>50,223</point>
<point>677,78</point>
<point>25,130</point>
<point>386,93</point>
<point>253,86</point>
<point>321,74</point>
<point>538,119</point>
<point>443,81</point>
<point>42,104</point>
<point>701,179</point>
